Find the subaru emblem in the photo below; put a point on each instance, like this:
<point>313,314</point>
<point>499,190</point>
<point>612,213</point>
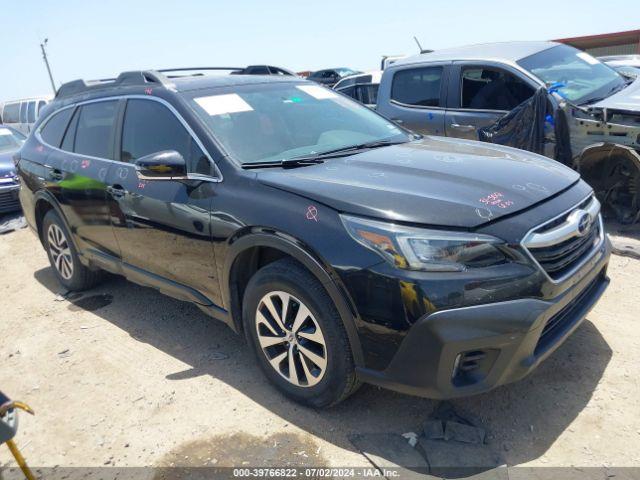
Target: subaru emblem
<point>583,224</point>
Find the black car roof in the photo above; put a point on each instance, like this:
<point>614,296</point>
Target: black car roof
<point>175,80</point>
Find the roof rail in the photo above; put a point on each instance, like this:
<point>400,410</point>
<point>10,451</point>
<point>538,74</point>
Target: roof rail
<point>126,78</point>
<point>138,77</point>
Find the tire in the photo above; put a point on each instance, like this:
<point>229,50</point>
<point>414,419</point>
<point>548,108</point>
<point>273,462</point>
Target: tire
<point>286,281</point>
<point>66,265</point>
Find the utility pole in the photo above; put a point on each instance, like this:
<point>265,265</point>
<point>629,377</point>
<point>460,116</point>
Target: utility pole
<point>46,62</point>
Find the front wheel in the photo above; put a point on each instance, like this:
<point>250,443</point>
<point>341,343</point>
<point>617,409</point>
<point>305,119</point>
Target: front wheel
<point>297,335</point>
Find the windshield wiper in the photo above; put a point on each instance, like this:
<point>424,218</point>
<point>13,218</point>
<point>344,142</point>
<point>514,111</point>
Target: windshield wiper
<point>316,158</point>
<point>342,151</point>
<point>614,90</point>
<point>290,162</point>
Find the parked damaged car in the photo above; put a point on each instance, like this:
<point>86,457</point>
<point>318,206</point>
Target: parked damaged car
<point>362,87</point>
<point>329,77</point>
<point>545,97</point>
<point>263,70</point>
<point>10,142</point>
<point>345,248</point>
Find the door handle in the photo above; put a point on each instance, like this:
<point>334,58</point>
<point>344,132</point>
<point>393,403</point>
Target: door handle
<point>116,191</point>
<point>399,121</point>
<point>465,128</point>
<point>56,175</point>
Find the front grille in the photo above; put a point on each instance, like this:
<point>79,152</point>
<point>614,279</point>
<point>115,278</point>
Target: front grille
<point>9,201</point>
<point>558,259</point>
<point>558,247</point>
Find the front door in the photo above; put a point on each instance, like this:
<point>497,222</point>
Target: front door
<point>479,95</point>
<point>162,226</point>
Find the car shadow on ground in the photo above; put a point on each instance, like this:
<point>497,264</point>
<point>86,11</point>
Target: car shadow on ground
<point>522,420</point>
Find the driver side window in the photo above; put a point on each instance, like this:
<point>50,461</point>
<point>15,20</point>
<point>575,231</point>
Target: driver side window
<point>149,127</point>
<point>485,88</point>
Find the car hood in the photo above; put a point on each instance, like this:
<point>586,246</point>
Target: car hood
<point>626,99</point>
<point>433,181</point>
<point>7,167</point>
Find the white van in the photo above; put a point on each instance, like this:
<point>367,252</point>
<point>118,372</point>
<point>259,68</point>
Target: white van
<point>22,114</point>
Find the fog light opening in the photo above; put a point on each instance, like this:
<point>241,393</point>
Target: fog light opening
<point>471,367</point>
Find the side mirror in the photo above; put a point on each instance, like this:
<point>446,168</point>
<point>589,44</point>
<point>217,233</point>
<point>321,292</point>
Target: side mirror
<point>165,165</point>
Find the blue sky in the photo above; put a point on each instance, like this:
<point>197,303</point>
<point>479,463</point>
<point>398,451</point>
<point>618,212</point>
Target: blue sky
<point>97,39</point>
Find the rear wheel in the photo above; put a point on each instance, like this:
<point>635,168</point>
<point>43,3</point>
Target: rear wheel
<point>68,269</point>
<point>297,335</point>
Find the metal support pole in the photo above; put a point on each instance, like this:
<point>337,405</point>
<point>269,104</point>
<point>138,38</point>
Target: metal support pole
<point>46,62</point>
<point>20,460</point>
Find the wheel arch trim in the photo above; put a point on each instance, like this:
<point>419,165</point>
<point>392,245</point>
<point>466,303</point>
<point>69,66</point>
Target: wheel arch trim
<point>605,150</point>
<point>44,195</point>
<point>268,238</point>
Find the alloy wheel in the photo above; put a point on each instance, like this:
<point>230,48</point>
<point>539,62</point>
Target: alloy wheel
<point>60,251</point>
<point>291,339</point>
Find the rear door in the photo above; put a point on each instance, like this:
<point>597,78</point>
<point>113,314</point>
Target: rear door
<point>481,93</point>
<point>76,169</point>
<point>163,226</point>
<point>415,97</point>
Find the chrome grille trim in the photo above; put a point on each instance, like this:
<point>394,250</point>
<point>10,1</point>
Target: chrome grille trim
<point>539,237</point>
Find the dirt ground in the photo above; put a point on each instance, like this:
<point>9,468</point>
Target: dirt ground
<point>125,376</point>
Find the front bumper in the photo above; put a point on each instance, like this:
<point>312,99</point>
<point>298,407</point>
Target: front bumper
<point>465,351</point>
<point>9,201</point>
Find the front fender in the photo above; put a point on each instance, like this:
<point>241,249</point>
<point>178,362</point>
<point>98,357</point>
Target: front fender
<point>260,237</point>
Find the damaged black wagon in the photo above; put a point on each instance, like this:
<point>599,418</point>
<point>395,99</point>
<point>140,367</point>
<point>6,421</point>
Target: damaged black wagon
<point>345,248</point>
<point>544,97</point>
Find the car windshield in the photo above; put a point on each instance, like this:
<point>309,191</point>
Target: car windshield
<point>343,72</point>
<point>574,74</point>
<point>275,122</point>
<point>10,139</point>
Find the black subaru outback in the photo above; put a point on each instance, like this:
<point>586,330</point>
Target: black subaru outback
<point>345,248</point>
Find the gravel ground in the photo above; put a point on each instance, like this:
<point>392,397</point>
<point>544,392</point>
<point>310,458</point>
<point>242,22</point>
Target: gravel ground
<point>125,376</point>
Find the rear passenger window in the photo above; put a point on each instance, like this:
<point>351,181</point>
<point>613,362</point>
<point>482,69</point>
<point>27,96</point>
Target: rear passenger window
<point>95,129</point>
<point>11,113</point>
<point>31,112</point>
<point>492,89</point>
<point>417,86</point>
<point>349,91</point>
<point>259,71</point>
<point>23,112</point>
<point>150,127</point>
<point>41,105</point>
<point>367,94</point>
<point>67,142</point>
<point>54,128</point>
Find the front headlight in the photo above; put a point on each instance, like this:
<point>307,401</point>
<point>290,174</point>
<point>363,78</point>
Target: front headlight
<point>422,249</point>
